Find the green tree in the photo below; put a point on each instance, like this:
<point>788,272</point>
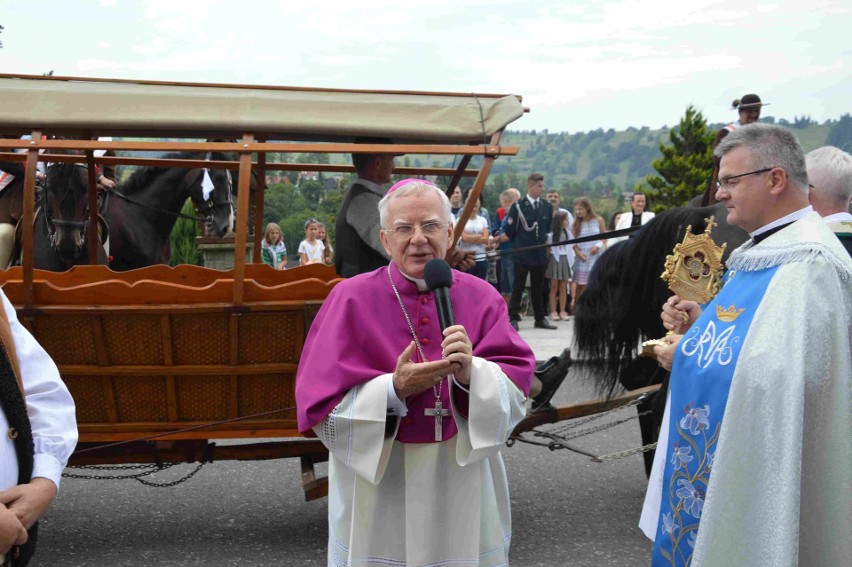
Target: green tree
<point>840,135</point>
<point>685,165</point>
<point>184,248</point>
<point>313,191</point>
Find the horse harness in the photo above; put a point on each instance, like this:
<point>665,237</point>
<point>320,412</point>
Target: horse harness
<point>51,223</point>
<point>105,194</point>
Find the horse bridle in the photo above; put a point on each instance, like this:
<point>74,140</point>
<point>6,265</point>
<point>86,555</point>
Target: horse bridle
<point>51,222</point>
<point>212,205</point>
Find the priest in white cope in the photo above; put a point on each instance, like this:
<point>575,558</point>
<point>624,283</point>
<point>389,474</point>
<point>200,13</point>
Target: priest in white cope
<point>754,460</point>
<point>414,418</point>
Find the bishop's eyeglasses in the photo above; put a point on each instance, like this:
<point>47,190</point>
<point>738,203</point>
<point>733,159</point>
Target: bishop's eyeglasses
<point>725,182</point>
<point>427,228</point>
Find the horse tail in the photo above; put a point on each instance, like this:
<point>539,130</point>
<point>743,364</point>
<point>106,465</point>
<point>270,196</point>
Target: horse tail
<point>621,303</point>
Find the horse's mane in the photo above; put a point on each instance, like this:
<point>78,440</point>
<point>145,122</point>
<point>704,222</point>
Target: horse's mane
<point>144,176</point>
<point>622,301</point>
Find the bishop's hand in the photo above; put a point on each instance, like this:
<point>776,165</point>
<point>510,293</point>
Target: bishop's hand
<point>411,377</point>
<point>458,349</point>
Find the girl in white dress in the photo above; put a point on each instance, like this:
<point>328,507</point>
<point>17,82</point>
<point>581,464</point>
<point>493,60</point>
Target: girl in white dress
<point>311,249</point>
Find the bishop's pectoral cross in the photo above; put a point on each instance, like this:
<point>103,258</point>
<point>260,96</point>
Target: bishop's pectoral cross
<point>438,413</point>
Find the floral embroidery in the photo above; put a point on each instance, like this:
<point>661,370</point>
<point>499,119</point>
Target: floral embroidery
<point>696,419</point>
<point>681,456</point>
<point>691,497</point>
<point>692,459</point>
<point>669,526</point>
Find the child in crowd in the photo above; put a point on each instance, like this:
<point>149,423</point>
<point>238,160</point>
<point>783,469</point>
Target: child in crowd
<point>311,249</point>
<point>474,238</point>
<point>558,269</point>
<point>328,255</point>
<point>506,267</point>
<point>586,223</point>
<point>273,251</point>
<point>613,220</point>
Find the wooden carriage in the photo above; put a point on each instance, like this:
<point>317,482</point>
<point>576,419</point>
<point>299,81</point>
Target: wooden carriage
<point>160,360</point>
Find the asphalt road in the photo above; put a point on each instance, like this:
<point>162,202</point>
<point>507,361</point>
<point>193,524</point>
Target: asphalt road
<point>566,510</point>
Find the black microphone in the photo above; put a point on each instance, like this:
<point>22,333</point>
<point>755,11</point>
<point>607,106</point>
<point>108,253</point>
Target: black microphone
<point>439,279</point>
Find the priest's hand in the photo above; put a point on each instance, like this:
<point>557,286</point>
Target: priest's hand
<point>411,377</point>
<point>29,501</point>
<point>12,531</point>
<point>665,354</point>
<point>679,314</point>
<point>458,349</point>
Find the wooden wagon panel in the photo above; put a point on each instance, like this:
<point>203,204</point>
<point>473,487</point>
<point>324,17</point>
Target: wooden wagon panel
<point>155,365</point>
<point>69,340</point>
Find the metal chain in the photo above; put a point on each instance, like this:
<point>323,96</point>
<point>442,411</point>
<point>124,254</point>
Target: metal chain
<point>561,435</point>
<point>590,430</point>
<point>147,470</point>
<point>435,389</point>
<point>627,453</point>
<point>583,421</point>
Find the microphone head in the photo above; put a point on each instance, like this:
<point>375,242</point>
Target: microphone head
<point>437,273</point>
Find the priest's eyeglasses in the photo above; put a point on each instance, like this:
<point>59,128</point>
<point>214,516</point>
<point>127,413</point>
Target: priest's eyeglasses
<point>725,182</point>
<point>427,228</point>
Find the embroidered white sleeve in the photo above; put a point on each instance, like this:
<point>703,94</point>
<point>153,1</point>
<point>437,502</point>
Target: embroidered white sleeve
<point>354,431</point>
<point>496,407</point>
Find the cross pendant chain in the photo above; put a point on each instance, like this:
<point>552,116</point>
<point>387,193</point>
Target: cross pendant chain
<point>438,413</point>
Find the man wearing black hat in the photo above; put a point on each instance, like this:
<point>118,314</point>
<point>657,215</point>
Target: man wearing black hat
<point>359,248</point>
<point>748,108</point>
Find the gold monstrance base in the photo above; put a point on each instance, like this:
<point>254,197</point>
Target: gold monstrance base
<point>693,271</point>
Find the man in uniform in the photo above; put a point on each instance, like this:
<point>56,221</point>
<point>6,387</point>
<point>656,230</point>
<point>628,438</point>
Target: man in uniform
<point>527,224</point>
<point>754,463</point>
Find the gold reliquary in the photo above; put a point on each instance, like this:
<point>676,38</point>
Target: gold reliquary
<point>693,271</point>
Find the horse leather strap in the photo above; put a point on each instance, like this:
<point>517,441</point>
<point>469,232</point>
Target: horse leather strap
<point>8,345</point>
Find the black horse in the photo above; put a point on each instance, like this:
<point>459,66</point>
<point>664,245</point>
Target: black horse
<point>142,212</point>
<point>621,303</point>
<point>62,218</point>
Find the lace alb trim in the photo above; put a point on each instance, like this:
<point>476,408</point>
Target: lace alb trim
<point>328,434</point>
<point>749,259</point>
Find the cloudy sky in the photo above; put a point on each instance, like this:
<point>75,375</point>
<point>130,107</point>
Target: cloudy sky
<point>579,64</point>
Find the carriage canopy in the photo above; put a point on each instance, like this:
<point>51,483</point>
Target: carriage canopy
<point>117,107</point>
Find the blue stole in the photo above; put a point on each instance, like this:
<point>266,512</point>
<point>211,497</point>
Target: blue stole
<point>702,371</point>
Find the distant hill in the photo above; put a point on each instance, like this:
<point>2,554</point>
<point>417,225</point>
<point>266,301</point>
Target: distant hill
<point>598,161</point>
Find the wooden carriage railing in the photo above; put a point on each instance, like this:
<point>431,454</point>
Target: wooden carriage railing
<point>163,352</point>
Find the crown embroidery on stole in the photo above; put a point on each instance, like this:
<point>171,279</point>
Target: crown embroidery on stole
<point>729,314</point>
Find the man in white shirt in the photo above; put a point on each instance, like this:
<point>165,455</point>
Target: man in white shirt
<point>39,433</point>
<point>830,178</point>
